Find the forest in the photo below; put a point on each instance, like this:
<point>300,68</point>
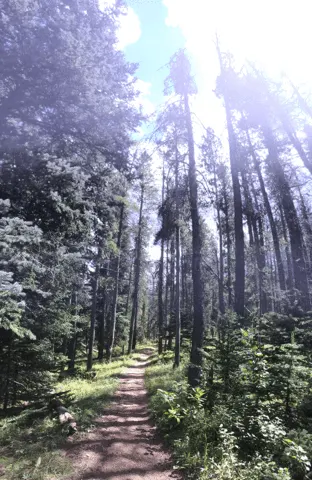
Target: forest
<point>84,202</point>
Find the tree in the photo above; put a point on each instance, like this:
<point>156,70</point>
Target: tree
<point>65,128</point>
<point>183,85</point>
<point>239,293</point>
<point>62,99</point>
<point>116,286</point>
<point>138,257</point>
<point>161,277</point>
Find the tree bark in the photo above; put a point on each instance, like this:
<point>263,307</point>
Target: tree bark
<point>93,312</point>
<point>6,395</point>
<point>295,141</point>
<point>276,243</point>
<point>177,249</point>
<point>137,277</point>
<point>161,279</point>
<point>221,262</point>
<point>294,229</point>
<point>196,358</point>
<point>307,227</point>
<point>116,286</point>
<point>72,344</point>
<point>290,279</point>
<point>129,289</point>
<point>166,297</point>
<point>228,246</point>
<point>103,323</point>
<point>172,295</point>
<point>261,260</point>
<point>239,289</point>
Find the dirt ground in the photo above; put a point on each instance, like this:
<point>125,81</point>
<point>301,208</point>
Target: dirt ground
<point>124,444</point>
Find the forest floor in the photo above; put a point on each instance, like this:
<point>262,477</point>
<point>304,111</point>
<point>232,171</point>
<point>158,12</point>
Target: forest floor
<point>124,444</point>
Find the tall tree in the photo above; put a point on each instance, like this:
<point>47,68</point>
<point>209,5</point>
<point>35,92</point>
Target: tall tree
<point>178,261</point>
<point>137,271</point>
<point>161,277</point>
<point>183,85</point>
<point>111,339</point>
<point>239,291</point>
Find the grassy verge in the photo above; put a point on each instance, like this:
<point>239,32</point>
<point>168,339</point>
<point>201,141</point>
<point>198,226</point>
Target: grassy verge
<point>160,373</point>
<point>30,446</point>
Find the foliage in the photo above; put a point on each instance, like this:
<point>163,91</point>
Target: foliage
<point>246,419</point>
<point>66,122</point>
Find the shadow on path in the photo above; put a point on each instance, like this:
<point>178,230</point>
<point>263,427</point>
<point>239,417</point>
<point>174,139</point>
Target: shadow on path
<point>124,444</point>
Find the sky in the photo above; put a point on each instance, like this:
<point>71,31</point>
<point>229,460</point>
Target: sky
<point>275,34</point>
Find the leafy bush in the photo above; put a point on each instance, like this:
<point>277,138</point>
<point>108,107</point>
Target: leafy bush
<point>245,420</point>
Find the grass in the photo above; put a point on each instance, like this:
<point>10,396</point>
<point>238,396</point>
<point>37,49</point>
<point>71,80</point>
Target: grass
<point>31,447</point>
<point>160,373</point>
<point>202,441</point>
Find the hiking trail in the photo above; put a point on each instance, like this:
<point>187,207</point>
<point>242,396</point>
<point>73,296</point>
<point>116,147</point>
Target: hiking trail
<point>124,445</point>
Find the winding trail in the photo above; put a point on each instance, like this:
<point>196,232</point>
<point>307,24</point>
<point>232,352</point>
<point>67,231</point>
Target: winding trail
<point>124,445</point>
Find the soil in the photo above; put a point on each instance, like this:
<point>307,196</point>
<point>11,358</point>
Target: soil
<point>124,444</point>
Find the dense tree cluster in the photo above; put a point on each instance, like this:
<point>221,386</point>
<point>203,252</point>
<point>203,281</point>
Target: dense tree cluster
<point>76,193</point>
<point>68,222</point>
<point>235,276</point>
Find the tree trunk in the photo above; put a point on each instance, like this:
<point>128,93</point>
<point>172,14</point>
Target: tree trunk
<point>290,279</point>
<point>177,248</point>
<point>161,279</point>
<point>259,256</point>
<point>129,289</point>
<point>103,323</point>
<point>93,312</point>
<point>261,260</point>
<point>73,340</point>
<point>6,396</point>
<point>307,227</point>
<point>248,210</point>
<point>101,344</point>
<point>137,277</point>
<point>160,299</point>
<point>116,281</point>
<point>172,294</point>
<point>276,243</point>
<point>239,290</point>
<point>135,331</point>
<point>261,267</point>
<point>294,229</point>
<point>196,358</point>
<point>272,289</point>
<point>166,297</point>
<point>228,247</point>
<point>295,141</point>
<point>221,263</point>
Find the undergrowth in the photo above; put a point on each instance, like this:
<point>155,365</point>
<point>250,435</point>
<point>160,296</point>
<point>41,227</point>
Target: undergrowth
<point>227,435</point>
<point>31,446</point>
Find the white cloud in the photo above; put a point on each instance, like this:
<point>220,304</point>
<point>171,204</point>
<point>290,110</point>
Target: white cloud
<point>129,24</point>
<point>130,28</point>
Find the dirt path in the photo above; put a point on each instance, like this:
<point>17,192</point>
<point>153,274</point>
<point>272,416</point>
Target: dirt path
<point>124,445</point>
